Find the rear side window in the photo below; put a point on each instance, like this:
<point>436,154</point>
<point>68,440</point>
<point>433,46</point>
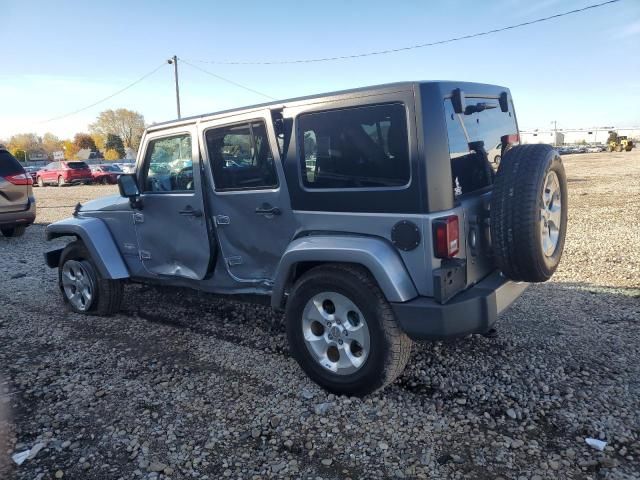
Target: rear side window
<point>475,141</point>
<point>364,147</point>
<point>241,157</point>
<point>8,164</point>
<point>77,165</point>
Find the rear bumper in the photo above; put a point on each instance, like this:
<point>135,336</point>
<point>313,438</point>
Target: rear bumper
<point>21,217</point>
<point>473,311</point>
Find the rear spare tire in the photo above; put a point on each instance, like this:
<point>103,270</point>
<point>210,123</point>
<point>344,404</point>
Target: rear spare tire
<point>529,213</point>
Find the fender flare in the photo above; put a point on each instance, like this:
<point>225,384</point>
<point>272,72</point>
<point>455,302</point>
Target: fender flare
<point>96,236</point>
<point>375,254</point>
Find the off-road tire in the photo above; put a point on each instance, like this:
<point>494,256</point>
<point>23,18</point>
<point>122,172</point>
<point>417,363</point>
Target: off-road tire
<point>390,348</point>
<point>108,293</point>
<point>13,230</point>
<point>516,201</point>
<point>61,182</point>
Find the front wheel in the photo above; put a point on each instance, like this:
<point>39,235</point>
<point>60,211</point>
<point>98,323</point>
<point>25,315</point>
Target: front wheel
<point>82,286</point>
<point>342,331</point>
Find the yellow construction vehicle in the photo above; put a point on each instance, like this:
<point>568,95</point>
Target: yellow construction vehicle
<point>618,143</point>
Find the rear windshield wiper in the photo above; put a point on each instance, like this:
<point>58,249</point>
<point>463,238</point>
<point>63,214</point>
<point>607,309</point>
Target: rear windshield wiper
<point>478,107</point>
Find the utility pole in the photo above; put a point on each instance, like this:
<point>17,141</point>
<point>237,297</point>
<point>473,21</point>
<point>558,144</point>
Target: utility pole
<point>174,60</point>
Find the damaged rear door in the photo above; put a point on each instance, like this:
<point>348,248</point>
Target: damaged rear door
<point>171,226</point>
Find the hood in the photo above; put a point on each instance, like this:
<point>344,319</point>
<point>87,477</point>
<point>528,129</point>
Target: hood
<point>110,203</point>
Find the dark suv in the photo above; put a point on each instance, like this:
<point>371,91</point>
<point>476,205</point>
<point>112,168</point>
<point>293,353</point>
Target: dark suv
<point>371,217</point>
<point>17,203</point>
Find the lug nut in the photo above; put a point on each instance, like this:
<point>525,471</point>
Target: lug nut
<point>340,342</point>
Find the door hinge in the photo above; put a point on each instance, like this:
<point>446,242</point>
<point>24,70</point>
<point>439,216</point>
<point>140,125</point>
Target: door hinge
<point>222,220</point>
<point>237,260</point>
<point>138,217</point>
<point>144,255</point>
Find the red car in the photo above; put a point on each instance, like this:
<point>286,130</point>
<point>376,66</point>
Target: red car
<point>105,174</point>
<point>63,173</point>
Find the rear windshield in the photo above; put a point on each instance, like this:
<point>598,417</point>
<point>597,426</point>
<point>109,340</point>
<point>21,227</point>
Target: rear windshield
<point>77,165</point>
<point>8,164</point>
<point>475,141</point>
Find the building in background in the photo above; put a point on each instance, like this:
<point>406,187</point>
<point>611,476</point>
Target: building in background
<point>571,136</point>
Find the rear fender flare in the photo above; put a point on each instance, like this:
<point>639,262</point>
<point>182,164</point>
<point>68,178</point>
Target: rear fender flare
<point>97,238</point>
<point>375,254</point>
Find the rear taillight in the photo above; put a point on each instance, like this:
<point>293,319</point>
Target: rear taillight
<point>446,236</point>
<point>20,179</point>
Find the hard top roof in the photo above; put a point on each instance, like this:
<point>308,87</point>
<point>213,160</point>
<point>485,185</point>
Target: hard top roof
<point>354,92</point>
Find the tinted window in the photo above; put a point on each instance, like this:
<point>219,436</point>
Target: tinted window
<point>8,164</point>
<point>473,137</point>
<point>355,147</point>
<point>241,157</point>
<point>77,165</point>
<point>168,164</point>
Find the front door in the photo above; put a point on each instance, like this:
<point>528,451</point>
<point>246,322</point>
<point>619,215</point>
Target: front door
<point>251,207</point>
<point>171,225</point>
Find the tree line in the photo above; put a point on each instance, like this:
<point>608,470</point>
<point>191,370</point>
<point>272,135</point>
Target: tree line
<point>109,136</point>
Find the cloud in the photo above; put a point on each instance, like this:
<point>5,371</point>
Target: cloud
<point>630,30</point>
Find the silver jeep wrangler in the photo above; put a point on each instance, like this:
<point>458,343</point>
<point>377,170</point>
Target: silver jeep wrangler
<point>371,217</point>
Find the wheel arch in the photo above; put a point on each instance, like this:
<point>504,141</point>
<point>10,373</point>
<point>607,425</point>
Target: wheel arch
<point>97,239</point>
<point>376,255</point>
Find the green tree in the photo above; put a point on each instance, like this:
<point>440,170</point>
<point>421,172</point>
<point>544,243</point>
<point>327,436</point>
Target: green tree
<point>114,142</point>
<point>84,140</point>
<point>126,124</point>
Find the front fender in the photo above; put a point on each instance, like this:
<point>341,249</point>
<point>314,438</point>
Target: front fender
<point>97,238</point>
<point>380,258</point>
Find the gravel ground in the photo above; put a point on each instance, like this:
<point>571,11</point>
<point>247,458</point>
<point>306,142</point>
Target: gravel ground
<point>186,385</point>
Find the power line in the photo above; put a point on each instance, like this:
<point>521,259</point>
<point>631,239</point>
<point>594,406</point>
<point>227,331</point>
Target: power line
<point>225,79</point>
<point>411,47</point>
<point>106,98</point>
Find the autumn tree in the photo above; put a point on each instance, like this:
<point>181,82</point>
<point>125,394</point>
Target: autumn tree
<point>84,140</point>
<point>70,150</point>
<point>51,143</point>
<point>126,124</point>
<point>99,140</point>
<point>114,142</point>
<point>21,143</point>
<point>111,155</point>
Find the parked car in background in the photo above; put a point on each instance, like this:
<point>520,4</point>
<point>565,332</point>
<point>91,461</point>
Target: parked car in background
<point>63,173</point>
<point>32,171</point>
<point>126,167</point>
<point>17,203</point>
<point>105,174</point>
<point>596,148</point>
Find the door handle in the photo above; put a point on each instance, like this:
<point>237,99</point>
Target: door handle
<point>189,211</point>
<point>266,209</point>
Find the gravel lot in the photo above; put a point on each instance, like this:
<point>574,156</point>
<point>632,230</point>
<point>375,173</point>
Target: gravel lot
<point>185,385</point>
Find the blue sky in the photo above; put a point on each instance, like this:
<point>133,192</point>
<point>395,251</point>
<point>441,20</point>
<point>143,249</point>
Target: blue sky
<point>582,70</point>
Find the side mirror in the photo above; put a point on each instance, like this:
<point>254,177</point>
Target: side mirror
<point>129,189</point>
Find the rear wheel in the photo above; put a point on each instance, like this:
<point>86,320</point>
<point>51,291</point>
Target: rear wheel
<point>82,286</point>
<point>13,230</point>
<point>342,331</point>
<point>529,213</point>
<point>61,181</point>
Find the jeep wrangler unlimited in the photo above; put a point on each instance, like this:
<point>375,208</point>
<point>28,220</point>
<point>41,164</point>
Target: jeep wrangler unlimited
<point>372,217</point>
